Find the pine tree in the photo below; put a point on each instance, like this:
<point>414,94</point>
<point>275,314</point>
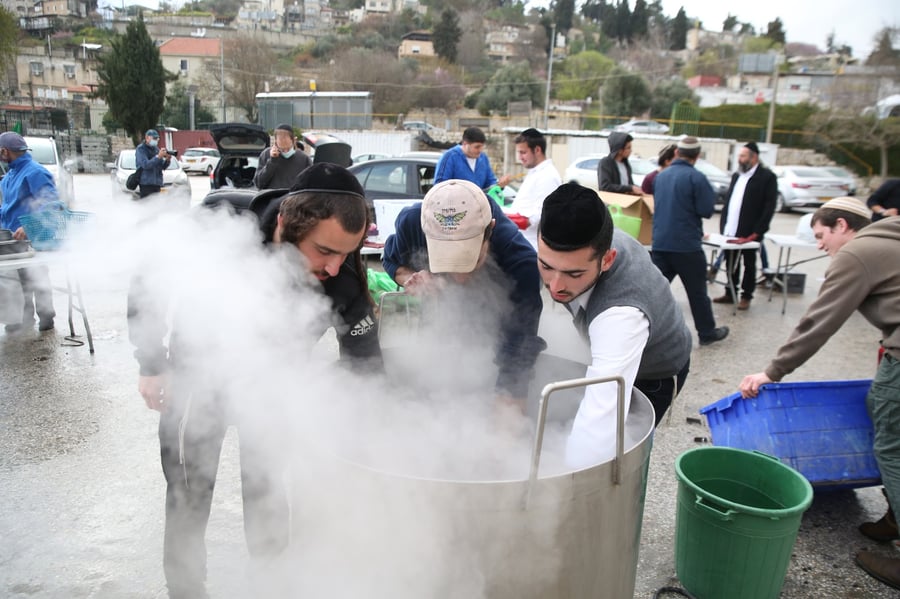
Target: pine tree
<point>678,33</point>
<point>133,80</point>
<point>446,35</point>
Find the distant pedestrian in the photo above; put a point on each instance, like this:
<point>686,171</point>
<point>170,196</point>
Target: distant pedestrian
<point>280,163</point>
<point>683,196</point>
<point>746,215</point>
<point>26,188</point>
<point>153,160</point>
<point>665,158</point>
<point>614,170</point>
<point>468,162</point>
<point>885,201</point>
<point>541,179</point>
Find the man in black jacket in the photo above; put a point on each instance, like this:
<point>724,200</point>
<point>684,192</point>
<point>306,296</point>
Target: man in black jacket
<point>326,220</point>
<point>614,171</point>
<point>746,215</point>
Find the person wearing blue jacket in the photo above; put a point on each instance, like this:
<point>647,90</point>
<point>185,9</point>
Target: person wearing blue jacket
<point>153,160</point>
<point>474,250</point>
<point>26,188</point>
<point>468,161</point>
<point>682,197</point>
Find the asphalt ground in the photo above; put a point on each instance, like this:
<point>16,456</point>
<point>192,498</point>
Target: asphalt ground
<point>81,508</point>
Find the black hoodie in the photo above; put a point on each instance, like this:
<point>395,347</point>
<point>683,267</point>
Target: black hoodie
<point>608,177</point>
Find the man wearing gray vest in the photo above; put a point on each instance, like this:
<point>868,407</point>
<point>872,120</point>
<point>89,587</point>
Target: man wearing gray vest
<point>621,303</point>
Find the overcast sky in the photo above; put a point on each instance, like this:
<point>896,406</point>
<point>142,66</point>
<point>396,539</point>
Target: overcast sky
<point>854,23</point>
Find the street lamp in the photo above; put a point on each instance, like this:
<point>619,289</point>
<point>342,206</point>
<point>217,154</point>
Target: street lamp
<point>192,92</point>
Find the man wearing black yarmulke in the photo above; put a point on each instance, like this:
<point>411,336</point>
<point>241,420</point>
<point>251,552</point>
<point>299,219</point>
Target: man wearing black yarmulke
<point>621,303</point>
<point>749,207</point>
<point>326,219</point>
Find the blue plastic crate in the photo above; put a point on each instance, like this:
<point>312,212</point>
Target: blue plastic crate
<point>49,227</point>
<point>821,429</point>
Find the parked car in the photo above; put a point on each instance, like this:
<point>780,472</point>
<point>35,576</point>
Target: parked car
<point>844,175</point>
<point>360,158</point>
<point>421,126</point>
<point>396,178</point>
<point>718,178</point>
<point>200,160</point>
<point>175,181</point>
<point>642,126</point>
<point>584,170</point>
<point>45,151</point>
<point>239,146</point>
<point>806,187</point>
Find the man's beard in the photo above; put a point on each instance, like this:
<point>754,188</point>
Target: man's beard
<point>744,166</point>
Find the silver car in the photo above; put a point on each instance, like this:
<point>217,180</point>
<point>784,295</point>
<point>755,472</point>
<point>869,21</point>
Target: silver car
<point>844,175</point>
<point>806,187</point>
<point>175,180</point>
<point>584,170</point>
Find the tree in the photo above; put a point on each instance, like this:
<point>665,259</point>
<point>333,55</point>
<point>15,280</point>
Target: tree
<point>564,10</point>
<point>249,64</point>
<point>438,89</point>
<point>626,94</point>
<point>669,93</point>
<point>865,131</point>
<point>775,31</point>
<point>133,80</point>
<point>358,69</point>
<point>678,33</point>
<point>9,34</point>
<point>511,83</point>
<point>729,23</point>
<point>176,112</point>
<point>623,21</point>
<point>580,76</point>
<point>639,19</point>
<point>884,53</point>
<point>446,35</point>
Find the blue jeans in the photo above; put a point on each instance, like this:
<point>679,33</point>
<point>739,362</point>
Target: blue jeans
<point>883,403</point>
<point>691,269</point>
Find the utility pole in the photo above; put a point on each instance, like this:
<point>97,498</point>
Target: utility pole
<point>771,124</point>
<point>222,73</point>
<point>549,77</point>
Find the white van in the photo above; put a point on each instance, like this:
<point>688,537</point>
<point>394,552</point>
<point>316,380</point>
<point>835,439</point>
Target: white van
<point>44,151</point>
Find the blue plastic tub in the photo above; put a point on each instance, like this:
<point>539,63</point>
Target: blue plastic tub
<point>821,429</point>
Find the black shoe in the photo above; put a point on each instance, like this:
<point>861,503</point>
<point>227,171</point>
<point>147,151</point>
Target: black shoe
<point>718,334</point>
<point>711,275</point>
<point>46,324</point>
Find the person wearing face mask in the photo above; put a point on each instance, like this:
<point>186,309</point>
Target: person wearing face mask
<point>280,163</point>
<point>153,160</point>
<point>746,215</point>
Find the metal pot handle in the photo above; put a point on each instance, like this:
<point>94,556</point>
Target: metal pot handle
<point>542,421</point>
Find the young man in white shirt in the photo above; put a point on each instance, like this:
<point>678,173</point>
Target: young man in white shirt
<point>541,180</point>
<point>621,303</point>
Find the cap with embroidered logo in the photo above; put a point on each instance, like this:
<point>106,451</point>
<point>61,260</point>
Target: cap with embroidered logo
<point>455,214</point>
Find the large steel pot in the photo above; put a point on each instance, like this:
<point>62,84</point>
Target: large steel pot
<point>562,535</point>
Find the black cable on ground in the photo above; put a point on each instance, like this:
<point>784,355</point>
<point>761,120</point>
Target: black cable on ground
<point>672,590</point>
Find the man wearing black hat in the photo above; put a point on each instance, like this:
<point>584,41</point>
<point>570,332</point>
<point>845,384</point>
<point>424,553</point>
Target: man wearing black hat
<point>682,197</point>
<point>621,304</point>
<point>152,160</point>
<point>25,188</point>
<point>746,215</point>
<point>280,163</point>
<point>326,220</point>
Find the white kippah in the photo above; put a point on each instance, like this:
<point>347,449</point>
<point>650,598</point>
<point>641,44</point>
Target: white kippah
<point>848,204</point>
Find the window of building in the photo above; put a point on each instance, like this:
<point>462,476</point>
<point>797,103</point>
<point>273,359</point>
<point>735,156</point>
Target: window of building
<point>37,69</point>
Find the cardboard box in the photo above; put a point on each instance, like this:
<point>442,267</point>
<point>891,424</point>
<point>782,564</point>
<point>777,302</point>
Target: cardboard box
<point>639,206</point>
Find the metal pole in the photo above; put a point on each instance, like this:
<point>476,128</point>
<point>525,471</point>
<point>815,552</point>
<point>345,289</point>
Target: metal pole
<point>222,73</point>
<point>549,77</point>
<point>191,109</point>
<point>771,124</point>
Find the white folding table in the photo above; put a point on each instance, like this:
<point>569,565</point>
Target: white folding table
<point>721,243</point>
<point>788,242</point>
<point>72,288</point>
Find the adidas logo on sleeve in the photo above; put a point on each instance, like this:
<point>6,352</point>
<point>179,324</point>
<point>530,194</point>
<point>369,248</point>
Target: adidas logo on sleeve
<point>362,327</point>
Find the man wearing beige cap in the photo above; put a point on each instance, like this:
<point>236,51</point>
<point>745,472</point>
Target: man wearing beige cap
<point>863,276</point>
<point>459,243</point>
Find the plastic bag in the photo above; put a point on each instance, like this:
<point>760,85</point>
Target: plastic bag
<point>380,283</point>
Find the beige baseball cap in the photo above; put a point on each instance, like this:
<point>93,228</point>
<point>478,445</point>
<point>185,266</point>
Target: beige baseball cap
<point>455,214</point>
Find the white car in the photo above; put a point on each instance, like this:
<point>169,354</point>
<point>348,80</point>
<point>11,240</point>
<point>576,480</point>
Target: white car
<point>584,170</point>
<point>802,186</point>
<point>642,126</point>
<point>44,151</point>
<point>200,160</point>
<point>175,180</point>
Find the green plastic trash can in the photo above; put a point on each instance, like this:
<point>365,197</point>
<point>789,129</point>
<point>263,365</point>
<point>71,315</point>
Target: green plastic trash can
<point>737,520</point>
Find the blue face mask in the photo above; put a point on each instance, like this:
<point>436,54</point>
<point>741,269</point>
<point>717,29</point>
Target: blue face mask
<point>288,154</point>
<point>153,142</point>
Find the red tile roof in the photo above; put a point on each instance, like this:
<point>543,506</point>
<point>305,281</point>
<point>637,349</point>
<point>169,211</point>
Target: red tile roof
<point>189,46</point>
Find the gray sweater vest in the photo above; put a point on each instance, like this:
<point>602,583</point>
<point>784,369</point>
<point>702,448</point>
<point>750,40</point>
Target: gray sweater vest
<point>633,280</point>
